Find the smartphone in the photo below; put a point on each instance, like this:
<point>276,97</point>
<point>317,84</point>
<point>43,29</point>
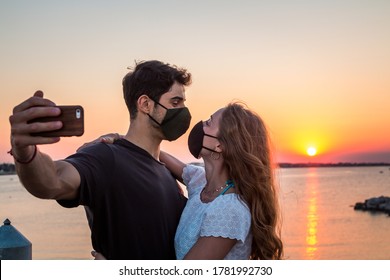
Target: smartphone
<point>72,118</point>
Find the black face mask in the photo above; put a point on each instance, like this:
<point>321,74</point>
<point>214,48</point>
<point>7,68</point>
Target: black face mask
<point>175,123</point>
<point>195,140</point>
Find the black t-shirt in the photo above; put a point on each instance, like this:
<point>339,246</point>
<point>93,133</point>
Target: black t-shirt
<point>133,198</point>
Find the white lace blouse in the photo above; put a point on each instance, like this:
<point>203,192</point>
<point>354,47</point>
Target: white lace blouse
<point>226,216</point>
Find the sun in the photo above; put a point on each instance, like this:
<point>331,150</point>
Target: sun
<point>311,151</point>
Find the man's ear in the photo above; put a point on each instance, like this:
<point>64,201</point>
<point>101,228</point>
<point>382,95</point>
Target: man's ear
<point>143,104</point>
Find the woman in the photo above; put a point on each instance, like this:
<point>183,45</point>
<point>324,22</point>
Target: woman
<point>232,210</point>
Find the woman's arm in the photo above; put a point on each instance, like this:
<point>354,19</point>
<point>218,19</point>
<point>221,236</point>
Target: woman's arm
<point>107,138</point>
<point>210,248</point>
<point>174,165</point>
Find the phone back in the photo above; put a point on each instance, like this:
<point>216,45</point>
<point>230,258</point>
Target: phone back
<point>72,118</point>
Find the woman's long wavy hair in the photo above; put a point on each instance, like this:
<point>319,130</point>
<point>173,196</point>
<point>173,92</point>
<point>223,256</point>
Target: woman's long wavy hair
<point>246,151</point>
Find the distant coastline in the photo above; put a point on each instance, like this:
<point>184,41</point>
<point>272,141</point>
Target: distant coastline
<point>313,164</point>
<point>339,164</point>
<point>9,168</point>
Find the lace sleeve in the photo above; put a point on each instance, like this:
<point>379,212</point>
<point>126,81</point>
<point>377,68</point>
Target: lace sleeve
<point>228,217</point>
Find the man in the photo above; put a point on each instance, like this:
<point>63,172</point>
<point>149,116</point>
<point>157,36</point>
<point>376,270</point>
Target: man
<point>134,200</point>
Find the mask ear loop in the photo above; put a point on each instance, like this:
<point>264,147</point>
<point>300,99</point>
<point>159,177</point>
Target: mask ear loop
<point>212,151</point>
<point>212,136</point>
<point>155,101</point>
<point>161,106</point>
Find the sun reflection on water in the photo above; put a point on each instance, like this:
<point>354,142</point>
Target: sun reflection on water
<point>312,216</point>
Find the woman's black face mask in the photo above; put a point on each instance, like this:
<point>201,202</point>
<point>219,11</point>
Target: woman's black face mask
<point>195,139</point>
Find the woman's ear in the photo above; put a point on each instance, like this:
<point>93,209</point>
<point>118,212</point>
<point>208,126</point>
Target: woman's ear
<point>144,104</point>
<point>218,148</point>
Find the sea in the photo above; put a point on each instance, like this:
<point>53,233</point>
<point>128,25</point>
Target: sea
<point>318,218</point>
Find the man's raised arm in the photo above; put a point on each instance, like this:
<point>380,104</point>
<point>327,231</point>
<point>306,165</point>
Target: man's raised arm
<point>39,174</point>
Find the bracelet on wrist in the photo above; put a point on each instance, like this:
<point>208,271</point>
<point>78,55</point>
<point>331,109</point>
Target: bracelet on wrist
<point>24,162</point>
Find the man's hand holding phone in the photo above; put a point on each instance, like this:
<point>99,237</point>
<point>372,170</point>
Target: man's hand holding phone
<point>39,121</point>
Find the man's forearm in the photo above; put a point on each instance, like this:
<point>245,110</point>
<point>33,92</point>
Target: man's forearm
<point>42,177</point>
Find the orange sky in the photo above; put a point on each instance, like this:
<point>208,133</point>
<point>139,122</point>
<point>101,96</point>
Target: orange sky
<point>318,73</point>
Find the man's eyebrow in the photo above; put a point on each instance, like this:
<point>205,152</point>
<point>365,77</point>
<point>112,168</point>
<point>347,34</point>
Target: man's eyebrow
<point>177,98</point>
